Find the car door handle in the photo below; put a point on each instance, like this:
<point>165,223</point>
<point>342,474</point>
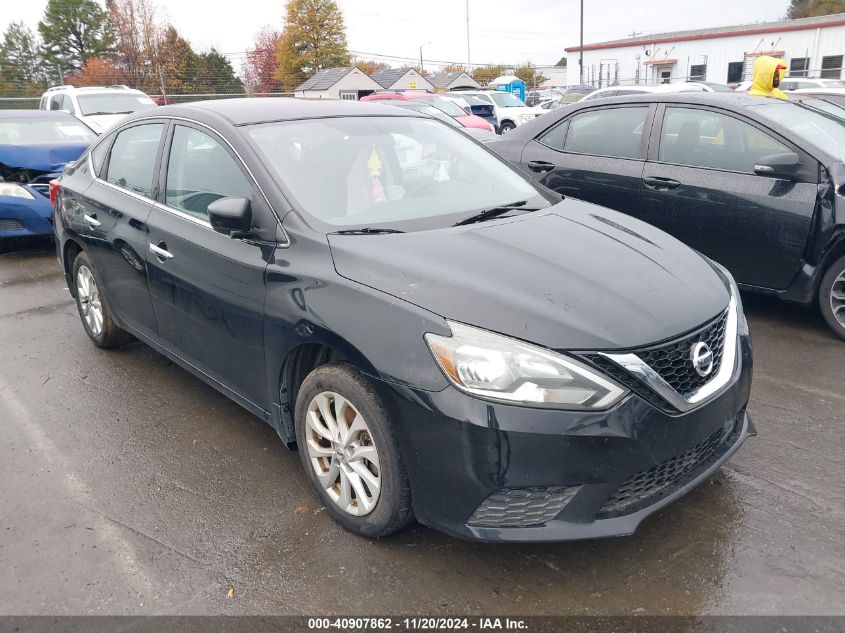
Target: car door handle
<point>660,184</point>
<point>160,251</point>
<point>540,166</point>
<point>92,220</point>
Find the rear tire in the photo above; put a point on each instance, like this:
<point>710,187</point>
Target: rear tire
<point>832,297</point>
<point>94,308</point>
<point>350,451</point>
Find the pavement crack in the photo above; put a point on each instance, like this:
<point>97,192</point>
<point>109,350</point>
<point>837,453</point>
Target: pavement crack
<point>154,540</point>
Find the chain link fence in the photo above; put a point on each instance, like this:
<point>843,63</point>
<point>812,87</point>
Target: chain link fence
<point>31,103</point>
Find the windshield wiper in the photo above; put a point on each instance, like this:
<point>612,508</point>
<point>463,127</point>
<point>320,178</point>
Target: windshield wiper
<point>488,214</point>
<point>106,113</point>
<point>367,231</point>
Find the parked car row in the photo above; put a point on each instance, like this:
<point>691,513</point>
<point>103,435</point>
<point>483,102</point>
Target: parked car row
<point>406,307</point>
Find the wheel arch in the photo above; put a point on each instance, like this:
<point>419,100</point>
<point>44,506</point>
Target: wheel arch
<point>299,361</point>
<point>70,251</point>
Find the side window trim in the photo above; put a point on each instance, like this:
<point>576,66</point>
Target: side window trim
<point>657,132</point>
<point>103,177</point>
<point>165,164</point>
<point>644,140</point>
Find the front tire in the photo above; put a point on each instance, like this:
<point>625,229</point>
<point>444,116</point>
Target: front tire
<point>832,297</point>
<point>350,452</point>
<point>506,127</point>
<point>94,308</point>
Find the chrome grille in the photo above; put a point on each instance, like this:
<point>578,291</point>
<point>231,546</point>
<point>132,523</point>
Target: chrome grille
<point>672,361</point>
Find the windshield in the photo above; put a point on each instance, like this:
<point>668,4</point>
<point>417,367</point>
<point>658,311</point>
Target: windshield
<point>819,122</point>
<point>444,105</point>
<point>507,100</point>
<point>25,131</point>
<point>113,103</point>
<point>405,173</point>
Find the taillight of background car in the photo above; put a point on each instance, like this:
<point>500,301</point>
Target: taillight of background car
<point>55,187</point>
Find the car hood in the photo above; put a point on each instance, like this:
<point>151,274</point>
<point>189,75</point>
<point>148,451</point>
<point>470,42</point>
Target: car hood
<point>102,122</point>
<point>576,276</point>
<point>47,157</point>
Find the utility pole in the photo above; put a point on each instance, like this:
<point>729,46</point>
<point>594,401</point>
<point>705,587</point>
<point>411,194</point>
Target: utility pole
<point>581,50</point>
<point>469,59</point>
<point>421,62</point>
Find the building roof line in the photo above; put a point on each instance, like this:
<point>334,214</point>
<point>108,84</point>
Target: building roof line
<point>824,21</point>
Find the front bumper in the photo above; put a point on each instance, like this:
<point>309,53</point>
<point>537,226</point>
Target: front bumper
<point>578,474</point>
<point>20,217</point>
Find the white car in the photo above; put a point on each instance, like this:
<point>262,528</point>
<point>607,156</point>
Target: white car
<point>509,109</point>
<point>621,91</point>
<point>100,107</point>
<point>798,83</point>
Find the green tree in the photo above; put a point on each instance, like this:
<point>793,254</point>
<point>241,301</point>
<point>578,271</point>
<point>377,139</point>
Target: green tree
<point>528,73</point>
<point>314,38</point>
<point>485,74</point>
<point>811,8</point>
<point>20,61</point>
<point>213,73</point>
<point>177,61</point>
<point>74,31</point>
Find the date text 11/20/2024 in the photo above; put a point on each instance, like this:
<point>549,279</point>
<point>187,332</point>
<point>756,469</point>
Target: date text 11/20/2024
<point>418,624</point>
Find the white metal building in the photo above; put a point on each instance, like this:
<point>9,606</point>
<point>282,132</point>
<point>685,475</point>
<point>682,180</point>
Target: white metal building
<point>337,83</point>
<point>812,47</point>
<point>555,75</point>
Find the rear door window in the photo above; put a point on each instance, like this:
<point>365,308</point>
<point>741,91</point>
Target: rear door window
<point>133,156</point>
<point>200,171</point>
<point>616,132</point>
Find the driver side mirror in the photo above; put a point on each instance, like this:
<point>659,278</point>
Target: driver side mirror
<point>783,165</point>
<point>230,216</point>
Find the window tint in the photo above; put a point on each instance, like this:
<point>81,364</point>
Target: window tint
<point>133,156</point>
<point>701,138</point>
<point>555,137</point>
<point>612,132</point>
<point>98,155</point>
<point>201,171</point>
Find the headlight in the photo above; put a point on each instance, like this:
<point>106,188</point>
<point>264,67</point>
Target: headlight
<point>501,368</point>
<point>15,190</point>
<point>525,118</point>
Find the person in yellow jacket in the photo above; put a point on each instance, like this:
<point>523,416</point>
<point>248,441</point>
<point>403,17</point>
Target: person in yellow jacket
<point>768,73</point>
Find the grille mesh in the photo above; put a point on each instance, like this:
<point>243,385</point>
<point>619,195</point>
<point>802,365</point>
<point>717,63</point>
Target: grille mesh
<point>673,361</point>
<point>522,507</point>
<point>10,225</point>
<point>655,480</point>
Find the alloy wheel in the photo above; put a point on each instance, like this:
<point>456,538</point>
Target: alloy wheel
<point>342,453</point>
<point>90,303</point>
<point>837,299</point>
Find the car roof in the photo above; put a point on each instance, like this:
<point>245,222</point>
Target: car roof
<point>248,110</point>
<point>38,114</point>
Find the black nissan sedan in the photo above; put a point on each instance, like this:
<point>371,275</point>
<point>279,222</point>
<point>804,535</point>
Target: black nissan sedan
<point>756,184</point>
<point>439,337</point>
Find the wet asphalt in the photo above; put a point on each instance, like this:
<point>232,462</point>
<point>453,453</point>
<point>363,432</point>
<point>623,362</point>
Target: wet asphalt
<point>127,486</point>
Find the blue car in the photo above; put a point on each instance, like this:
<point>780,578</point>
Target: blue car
<point>35,146</point>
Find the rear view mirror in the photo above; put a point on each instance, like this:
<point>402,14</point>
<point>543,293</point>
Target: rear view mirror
<point>230,216</point>
<point>783,165</point>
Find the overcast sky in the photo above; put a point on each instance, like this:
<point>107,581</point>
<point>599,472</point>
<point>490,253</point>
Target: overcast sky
<point>508,31</point>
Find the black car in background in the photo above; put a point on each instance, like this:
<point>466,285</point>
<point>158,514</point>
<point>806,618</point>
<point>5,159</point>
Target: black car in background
<point>439,337</point>
<point>758,185</point>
